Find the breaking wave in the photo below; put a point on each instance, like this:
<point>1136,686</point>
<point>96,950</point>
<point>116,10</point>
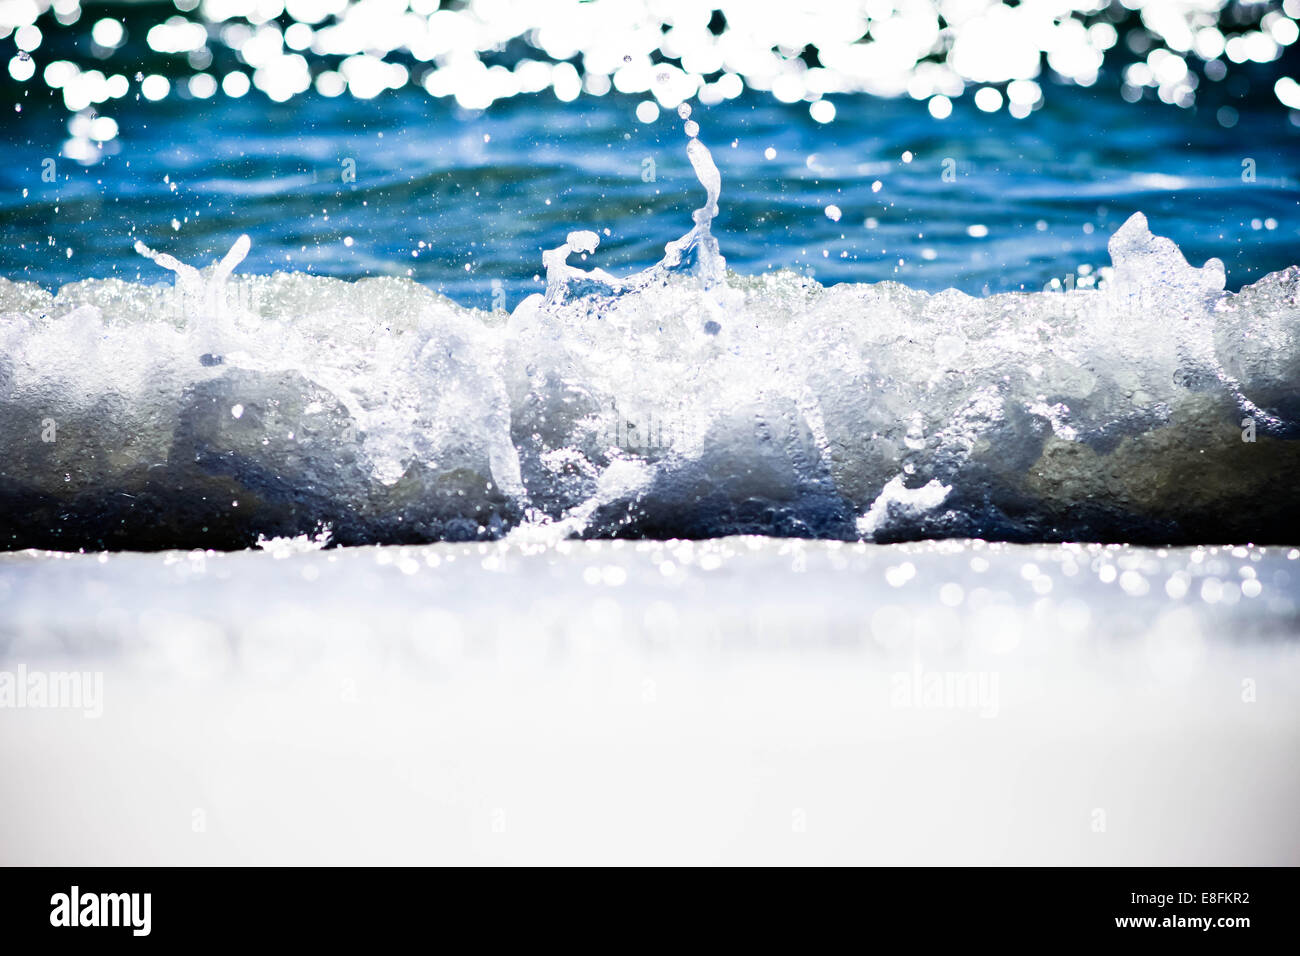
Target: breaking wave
<point>1146,405</point>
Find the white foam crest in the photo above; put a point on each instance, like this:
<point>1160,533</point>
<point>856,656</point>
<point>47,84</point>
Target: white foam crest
<point>204,301</point>
<point>1153,275</point>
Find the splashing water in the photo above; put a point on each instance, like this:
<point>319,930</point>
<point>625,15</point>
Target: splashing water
<point>559,273</point>
<point>712,267</point>
<point>681,400</point>
<point>204,300</point>
<point>709,266</point>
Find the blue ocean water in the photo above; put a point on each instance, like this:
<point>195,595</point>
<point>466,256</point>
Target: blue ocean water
<point>465,201</point>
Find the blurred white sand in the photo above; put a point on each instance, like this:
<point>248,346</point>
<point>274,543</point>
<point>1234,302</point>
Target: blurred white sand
<point>735,701</point>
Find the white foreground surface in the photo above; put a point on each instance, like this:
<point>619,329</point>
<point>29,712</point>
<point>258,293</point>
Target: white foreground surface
<point>735,701</point>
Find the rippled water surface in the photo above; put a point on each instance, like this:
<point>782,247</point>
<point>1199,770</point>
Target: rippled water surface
<point>458,199</point>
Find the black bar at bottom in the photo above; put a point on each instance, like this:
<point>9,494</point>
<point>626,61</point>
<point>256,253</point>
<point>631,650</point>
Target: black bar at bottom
<point>1227,907</point>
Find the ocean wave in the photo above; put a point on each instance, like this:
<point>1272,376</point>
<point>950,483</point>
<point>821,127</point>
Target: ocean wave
<point>1145,404</point>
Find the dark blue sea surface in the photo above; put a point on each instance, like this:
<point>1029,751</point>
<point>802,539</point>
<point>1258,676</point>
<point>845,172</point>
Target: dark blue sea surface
<point>465,201</point>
